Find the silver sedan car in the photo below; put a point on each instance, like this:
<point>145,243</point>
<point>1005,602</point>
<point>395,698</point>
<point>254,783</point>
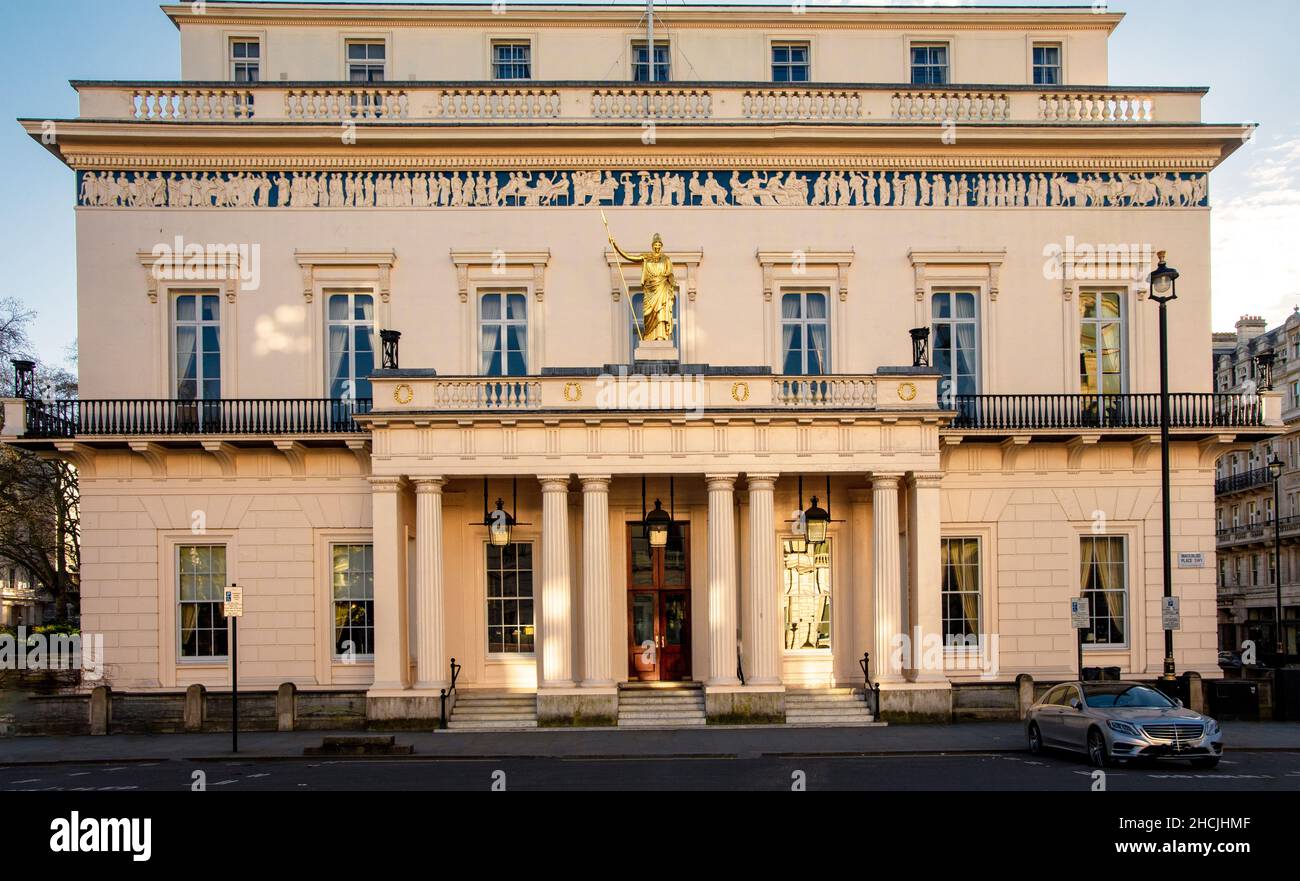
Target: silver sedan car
<point>1121,721</point>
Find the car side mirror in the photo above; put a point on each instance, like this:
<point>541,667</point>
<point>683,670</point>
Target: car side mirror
<point>1178,702</point>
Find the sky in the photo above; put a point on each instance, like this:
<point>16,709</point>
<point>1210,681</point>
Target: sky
<point>1243,50</point>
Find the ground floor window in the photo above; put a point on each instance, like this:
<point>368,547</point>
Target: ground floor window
<point>510,598</point>
<point>201,570</point>
<point>354,599</point>
<point>961,590</point>
<point>806,594</point>
<point>1103,574</point>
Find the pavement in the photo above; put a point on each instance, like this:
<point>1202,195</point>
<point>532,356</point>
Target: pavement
<point>721,742</point>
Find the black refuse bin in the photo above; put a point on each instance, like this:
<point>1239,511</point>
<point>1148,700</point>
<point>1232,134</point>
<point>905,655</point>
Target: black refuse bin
<point>1233,699</point>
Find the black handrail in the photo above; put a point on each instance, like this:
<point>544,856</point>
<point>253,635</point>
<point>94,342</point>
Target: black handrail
<point>448,692</point>
<point>871,690</point>
<point>740,667</point>
<point>263,416</point>
<point>1186,410</point>
<point>1246,480</point>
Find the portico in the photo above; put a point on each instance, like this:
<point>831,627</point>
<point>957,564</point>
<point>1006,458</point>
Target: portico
<point>736,598</point>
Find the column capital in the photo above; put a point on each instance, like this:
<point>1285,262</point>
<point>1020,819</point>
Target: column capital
<point>387,484</point>
<point>427,484</point>
<point>886,480</point>
<point>554,482</point>
<point>926,479</point>
<point>761,481</point>
<point>721,481</point>
<point>595,482</point>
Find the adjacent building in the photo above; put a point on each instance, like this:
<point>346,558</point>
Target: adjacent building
<point>1246,488</point>
<point>786,475</point>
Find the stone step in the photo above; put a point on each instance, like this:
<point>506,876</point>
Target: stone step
<point>496,702</point>
<point>661,723</point>
<point>825,699</point>
<point>662,711</point>
<point>826,714</point>
<point>492,714</point>
<point>662,702</point>
<point>816,692</point>
<point>864,722</point>
<point>486,724</point>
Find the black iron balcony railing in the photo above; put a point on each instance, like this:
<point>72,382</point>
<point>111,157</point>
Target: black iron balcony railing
<point>1247,480</point>
<point>1260,529</point>
<point>79,418</point>
<point>1029,412</point>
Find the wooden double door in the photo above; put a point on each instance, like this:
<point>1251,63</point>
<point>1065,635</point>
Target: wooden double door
<point>658,606</point>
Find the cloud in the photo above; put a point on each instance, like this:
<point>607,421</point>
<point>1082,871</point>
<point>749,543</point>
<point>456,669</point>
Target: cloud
<point>1256,263</point>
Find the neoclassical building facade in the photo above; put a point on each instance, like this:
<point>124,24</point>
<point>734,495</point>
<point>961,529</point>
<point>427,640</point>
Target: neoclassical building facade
<point>360,318</point>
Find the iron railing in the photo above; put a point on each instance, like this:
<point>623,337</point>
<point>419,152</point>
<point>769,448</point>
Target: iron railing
<point>448,693</point>
<point>1141,411</point>
<point>265,416</point>
<point>1260,529</point>
<point>1246,480</point>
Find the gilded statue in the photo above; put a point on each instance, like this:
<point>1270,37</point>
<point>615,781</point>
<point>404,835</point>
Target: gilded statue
<point>658,286</point>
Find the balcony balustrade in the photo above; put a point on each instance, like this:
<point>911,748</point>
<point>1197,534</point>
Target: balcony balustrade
<point>1252,479</point>
<point>585,102</point>
<point>265,416</point>
<point>1115,412</point>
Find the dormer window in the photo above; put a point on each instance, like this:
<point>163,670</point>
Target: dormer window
<point>1047,64</point>
<point>367,61</point>
<point>930,64</point>
<point>245,60</point>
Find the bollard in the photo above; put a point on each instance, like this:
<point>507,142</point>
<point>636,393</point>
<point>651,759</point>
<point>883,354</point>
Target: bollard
<point>101,709</point>
<point>196,707</point>
<point>1024,694</point>
<point>1195,692</point>
<point>285,700</point>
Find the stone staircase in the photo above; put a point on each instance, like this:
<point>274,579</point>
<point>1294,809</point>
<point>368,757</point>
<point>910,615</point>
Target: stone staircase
<point>492,710</point>
<point>677,706</point>
<point>827,707</point>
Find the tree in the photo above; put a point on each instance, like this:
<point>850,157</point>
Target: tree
<point>39,505</point>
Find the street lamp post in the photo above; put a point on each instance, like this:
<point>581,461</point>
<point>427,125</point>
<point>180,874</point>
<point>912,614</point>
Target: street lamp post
<point>1164,283</point>
<point>1275,468</point>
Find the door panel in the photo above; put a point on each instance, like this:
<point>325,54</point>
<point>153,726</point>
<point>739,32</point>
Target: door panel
<point>659,604</point>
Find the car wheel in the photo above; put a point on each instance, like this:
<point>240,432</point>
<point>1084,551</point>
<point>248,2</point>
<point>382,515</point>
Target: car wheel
<point>1098,755</point>
<point>1211,762</point>
<point>1035,739</point>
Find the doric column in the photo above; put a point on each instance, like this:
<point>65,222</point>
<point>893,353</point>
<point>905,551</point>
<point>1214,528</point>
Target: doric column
<point>431,661</point>
<point>722,579</point>
<point>887,568</point>
<point>924,565</point>
<point>556,627</point>
<point>596,671</point>
<point>392,658</point>
<point>761,626</point>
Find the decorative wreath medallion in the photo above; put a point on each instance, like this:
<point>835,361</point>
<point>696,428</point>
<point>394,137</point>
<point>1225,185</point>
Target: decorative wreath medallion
<point>573,392</point>
<point>740,392</point>
<point>907,391</point>
<point>403,394</point>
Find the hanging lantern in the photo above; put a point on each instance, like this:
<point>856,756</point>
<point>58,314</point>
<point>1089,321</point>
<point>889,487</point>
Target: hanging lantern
<point>499,525</point>
<point>816,522</point>
<point>657,523</point>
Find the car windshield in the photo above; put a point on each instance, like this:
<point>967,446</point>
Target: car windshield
<point>1125,696</point>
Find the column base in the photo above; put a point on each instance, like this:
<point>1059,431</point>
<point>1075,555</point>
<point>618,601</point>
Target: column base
<point>727,704</point>
<point>915,702</point>
<point>577,707</point>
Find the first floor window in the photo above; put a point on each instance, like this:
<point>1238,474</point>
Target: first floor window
<point>350,320</point>
<point>503,332</point>
<point>353,586</point>
<point>197,342</point>
<point>806,594</point>
<point>641,62</point>
<point>512,61</point>
<point>510,598</point>
<point>955,342</point>
<point>961,590</point>
<point>790,63</point>
<point>1103,579</point>
<point>201,570</point>
<point>930,64</point>
<point>805,333</point>
<point>1047,64</point>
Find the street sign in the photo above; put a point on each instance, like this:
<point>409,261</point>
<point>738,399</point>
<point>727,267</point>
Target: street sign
<point>1191,561</point>
<point>1080,615</point>
<point>1170,619</point>
<point>234,602</point>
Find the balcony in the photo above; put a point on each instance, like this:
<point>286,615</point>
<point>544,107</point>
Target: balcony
<point>1234,483</point>
<point>1138,413</point>
<point>585,103</point>
<point>228,417</point>
<point>1259,532</point>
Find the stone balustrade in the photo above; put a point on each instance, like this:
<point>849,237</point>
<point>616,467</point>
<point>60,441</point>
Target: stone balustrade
<point>684,102</point>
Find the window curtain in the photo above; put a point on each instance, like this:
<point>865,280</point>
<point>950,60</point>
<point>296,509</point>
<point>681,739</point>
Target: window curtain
<point>817,326</point>
<point>1109,554</point>
<point>791,341</point>
<point>966,568</point>
<point>189,621</point>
